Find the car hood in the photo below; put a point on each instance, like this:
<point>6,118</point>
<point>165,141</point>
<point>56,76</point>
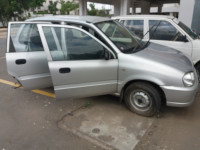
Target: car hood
<point>167,56</point>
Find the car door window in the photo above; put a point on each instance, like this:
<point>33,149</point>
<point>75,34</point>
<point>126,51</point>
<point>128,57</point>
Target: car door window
<point>25,38</point>
<point>74,45</point>
<point>164,30</point>
<point>135,26</point>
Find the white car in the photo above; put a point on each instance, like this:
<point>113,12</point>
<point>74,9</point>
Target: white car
<point>164,30</point>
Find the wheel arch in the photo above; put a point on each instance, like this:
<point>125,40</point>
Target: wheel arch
<point>161,92</point>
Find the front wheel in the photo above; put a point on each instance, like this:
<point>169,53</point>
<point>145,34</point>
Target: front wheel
<point>142,98</point>
<point>198,69</point>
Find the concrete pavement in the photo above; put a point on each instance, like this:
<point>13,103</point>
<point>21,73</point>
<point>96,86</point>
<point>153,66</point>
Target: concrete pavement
<point>3,32</point>
<point>177,129</point>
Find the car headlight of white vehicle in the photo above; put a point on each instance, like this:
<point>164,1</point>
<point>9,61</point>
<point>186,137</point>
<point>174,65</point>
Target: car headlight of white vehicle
<point>189,79</point>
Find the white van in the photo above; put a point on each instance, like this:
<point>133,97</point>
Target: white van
<point>164,30</point>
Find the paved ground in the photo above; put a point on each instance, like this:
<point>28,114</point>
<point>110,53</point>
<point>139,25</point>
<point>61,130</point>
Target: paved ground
<point>3,32</point>
<point>30,121</point>
<point>177,129</point>
<point>33,121</point>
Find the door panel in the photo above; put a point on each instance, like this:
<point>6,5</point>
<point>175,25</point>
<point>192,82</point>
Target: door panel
<point>77,63</point>
<point>25,57</point>
<point>32,74</point>
<point>85,78</point>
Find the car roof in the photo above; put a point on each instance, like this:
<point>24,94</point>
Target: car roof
<point>144,16</point>
<point>84,19</point>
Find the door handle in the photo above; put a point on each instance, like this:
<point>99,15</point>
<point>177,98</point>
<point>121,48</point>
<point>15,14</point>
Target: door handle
<point>20,61</point>
<point>64,70</point>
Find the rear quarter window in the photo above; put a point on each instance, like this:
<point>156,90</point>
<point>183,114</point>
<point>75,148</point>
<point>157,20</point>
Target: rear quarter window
<point>25,38</point>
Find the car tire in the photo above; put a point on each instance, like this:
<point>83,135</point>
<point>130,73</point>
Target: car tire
<point>142,98</point>
<point>198,69</point>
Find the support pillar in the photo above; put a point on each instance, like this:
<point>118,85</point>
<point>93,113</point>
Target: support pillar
<point>117,7</point>
<point>82,7</point>
<point>125,7</point>
<point>121,7</point>
<point>133,10</point>
<point>145,9</point>
<point>171,14</point>
<point>160,8</point>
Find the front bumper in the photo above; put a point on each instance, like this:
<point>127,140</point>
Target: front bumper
<point>180,96</point>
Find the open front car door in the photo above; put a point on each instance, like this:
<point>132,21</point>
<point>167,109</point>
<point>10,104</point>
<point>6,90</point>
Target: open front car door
<point>25,56</point>
<point>77,63</point>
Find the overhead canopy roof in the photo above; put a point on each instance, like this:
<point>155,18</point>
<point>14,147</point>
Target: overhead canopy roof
<point>137,2</point>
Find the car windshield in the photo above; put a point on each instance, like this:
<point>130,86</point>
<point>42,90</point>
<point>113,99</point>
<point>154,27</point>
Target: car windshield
<point>188,30</point>
<point>120,36</point>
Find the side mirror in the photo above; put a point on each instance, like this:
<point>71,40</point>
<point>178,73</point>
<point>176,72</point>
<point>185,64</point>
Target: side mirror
<point>184,38</point>
<point>107,55</point>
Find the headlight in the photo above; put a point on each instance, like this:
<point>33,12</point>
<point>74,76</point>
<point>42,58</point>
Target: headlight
<point>189,79</point>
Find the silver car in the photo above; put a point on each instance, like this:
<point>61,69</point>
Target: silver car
<point>90,56</point>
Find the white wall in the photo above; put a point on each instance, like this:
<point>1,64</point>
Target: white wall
<point>167,8</point>
<point>186,11</point>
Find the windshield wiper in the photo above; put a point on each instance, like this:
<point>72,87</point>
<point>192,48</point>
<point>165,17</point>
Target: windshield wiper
<point>149,36</point>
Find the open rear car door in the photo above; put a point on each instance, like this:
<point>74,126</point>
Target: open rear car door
<point>25,56</point>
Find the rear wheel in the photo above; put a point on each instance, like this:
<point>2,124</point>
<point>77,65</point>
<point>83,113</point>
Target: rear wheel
<point>142,98</point>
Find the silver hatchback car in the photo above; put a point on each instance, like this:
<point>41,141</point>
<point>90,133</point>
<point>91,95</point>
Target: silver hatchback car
<point>90,56</point>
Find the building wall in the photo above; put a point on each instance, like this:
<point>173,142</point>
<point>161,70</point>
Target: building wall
<point>168,8</point>
<point>46,4</point>
<point>186,11</point>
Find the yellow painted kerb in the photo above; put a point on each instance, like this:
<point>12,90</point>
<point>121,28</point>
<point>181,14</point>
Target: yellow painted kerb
<point>44,93</point>
<point>34,91</point>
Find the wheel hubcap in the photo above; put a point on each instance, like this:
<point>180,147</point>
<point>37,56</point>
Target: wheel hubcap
<point>140,99</point>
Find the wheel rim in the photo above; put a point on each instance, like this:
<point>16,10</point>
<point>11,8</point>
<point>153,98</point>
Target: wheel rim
<point>140,100</point>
